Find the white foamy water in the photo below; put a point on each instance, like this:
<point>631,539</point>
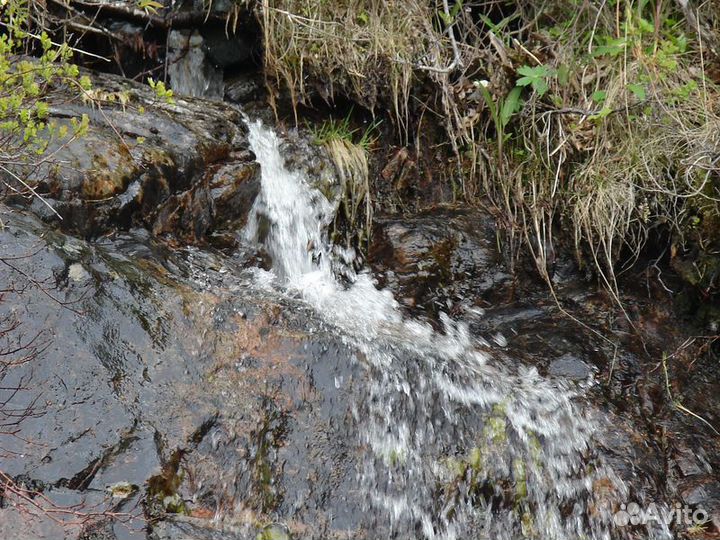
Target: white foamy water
<point>458,445</point>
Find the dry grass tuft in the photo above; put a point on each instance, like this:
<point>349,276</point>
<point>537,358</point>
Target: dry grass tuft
<point>351,163</point>
<point>617,134</point>
<point>350,46</point>
<point>348,149</point>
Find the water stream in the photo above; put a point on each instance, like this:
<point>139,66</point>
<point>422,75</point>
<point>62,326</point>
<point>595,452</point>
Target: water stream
<point>456,443</point>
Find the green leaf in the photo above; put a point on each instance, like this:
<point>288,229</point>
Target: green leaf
<point>602,114</point>
<point>149,5</point>
<point>510,106</point>
<point>646,26</point>
<point>599,96</point>
<point>563,75</point>
<point>42,109</point>
<point>489,102</point>
<point>449,18</point>
<point>638,90</point>
<point>524,81</point>
<point>536,77</point>
<point>611,47</point>
<point>456,9</point>
<point>540,86</point>
<point>535,72</point>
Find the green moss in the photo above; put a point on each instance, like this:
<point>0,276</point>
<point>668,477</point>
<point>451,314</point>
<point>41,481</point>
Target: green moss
<point>274,532</point>
<point>162,489</point>
<point>520,477</point>
<point>496,425</point>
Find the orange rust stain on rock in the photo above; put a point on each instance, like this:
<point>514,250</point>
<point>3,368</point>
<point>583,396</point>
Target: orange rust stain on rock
<point>258,358</point>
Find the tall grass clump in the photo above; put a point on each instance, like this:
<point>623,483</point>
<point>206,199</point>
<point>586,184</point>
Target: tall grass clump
<point>349,149</point>
<point>594,123</point>
<point>348,46</point>
<point>620,140</point>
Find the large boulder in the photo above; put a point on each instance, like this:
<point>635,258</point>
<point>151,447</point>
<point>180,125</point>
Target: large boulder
<point>438,259</point>
<point>166,378</point>
<point>142,152</point>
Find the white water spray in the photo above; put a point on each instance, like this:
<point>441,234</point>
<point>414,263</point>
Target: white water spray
<point>458,446</point>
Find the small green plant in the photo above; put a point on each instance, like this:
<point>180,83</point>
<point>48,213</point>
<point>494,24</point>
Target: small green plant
<point>449,18</point>
<point>536,77</point>
<point>638,90</point>
<point>349,154</point>
<point>501,112</point>
<point>27,128</point>
<point>161,91</point>
<point>332,129</point>
<point>340,129</point>
<point>149,6</point>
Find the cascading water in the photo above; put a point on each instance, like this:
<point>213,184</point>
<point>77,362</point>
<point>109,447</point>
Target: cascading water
<point>191,72</point>
<point>457,445</point>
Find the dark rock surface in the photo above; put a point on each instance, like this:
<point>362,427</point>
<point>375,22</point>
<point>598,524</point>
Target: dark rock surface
<point>141,153</point>
<point>227,49</point>
<point>435,260</point>
<point>244,88</point>
<point>167,376</point>
<point>656,392</point>
<point>220,200</point>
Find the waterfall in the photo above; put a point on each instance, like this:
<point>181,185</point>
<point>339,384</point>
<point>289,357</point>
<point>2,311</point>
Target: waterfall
<point>191,72</point>
<point>457,444</point>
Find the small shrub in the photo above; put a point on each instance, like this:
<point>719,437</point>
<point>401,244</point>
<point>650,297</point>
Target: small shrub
<point>26,86</point>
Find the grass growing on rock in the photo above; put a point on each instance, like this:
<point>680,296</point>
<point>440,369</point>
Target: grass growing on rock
<point>350,155</point>
<point>598,120</point>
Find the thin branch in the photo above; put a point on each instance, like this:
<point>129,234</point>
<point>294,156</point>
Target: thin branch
<point>31,189</point>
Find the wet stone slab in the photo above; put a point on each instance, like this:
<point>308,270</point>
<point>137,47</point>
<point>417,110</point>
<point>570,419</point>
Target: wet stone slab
<point>167,384</point>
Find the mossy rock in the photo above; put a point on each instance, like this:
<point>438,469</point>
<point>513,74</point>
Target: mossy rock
<point>138,151</point>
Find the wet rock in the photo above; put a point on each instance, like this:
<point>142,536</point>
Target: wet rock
<point>140,150</point>
<point>222,200</point>
<point>439,259</point>
<point>244,88</point>
<point>664,454</point>
<point>192,70</point>
<point>398,169</point>
<point>702,495</point>
<point>233,188</point>
<point>302,154</point>
<point>181,528</point>
<point>168,384</point>
<point>16,525</point>
<point>226,48</point>
<point>570,367</point>
<point>188,215</point>
<point>688,463</point>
